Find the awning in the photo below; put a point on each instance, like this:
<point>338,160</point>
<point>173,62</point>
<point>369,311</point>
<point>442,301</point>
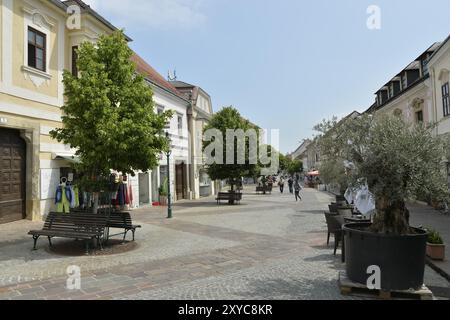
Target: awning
<point>66,157</point>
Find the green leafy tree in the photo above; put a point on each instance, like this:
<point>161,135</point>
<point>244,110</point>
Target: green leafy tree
<point>329,143</point>
<point>398,161</point>
<point>230,119</point>
<point>109,113</point>
<point>284,163</point>
<point>295,167</point>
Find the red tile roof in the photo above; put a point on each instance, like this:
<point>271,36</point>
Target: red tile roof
<point>151,74</point>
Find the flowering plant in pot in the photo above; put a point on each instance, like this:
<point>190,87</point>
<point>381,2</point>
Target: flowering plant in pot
<point>397,161</point>
<point>435,245</point>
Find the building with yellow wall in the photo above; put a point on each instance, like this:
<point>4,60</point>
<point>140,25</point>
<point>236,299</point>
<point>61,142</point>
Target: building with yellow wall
<point>36,46</point>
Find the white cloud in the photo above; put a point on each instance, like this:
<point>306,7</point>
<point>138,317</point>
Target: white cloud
<point>166,14</point>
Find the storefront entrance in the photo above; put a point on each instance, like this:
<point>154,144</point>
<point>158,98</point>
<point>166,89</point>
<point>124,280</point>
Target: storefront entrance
<point>12,173</point>
<point>144,189</point>
<point>180,179</point>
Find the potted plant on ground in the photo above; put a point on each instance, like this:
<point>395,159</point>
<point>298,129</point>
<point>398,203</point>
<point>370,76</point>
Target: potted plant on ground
<point>435,245</point>
<point>164,193</point>
<point>396,161</point>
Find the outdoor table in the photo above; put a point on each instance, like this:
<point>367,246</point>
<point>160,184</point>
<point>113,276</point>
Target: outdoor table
<point>357,220</point>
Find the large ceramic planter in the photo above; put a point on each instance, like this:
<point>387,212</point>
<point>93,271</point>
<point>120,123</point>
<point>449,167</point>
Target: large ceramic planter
<point>401,259</point>
<point>436,251</point>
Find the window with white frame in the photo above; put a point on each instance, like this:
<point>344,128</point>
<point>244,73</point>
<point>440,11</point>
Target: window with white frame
<point>446,99</point>
<point>37,53</point>
<point>180,124</point>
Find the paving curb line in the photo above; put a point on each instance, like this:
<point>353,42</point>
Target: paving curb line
<point>433,266</point>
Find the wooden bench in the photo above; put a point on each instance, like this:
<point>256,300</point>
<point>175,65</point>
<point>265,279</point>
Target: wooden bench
<point>121,220</point>
<point>80,226</point>
<point>266,189</point>
<point>229,196</point>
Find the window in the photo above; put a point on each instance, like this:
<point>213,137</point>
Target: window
<point>36,49</point>
<point>425,67</point>
<point>446,100</point>
<point>180,124</point>
<point>404,82</point>
<point>419,117</point>
<point>74,61</point>
<point>448,172</point>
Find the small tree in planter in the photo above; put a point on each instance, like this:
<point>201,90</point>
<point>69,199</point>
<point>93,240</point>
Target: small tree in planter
<point>435,245</point>
<point>397,161</point>
<point>164,192</point>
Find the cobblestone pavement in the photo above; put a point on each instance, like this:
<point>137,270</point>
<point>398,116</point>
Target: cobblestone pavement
<point>269,247</point>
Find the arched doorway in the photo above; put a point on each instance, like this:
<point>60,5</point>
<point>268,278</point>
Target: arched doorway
<point>12,175</point>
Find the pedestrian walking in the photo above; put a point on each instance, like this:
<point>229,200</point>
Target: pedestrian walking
<point>291,185</point>
<point>297,188</point>
<point>281,184</point>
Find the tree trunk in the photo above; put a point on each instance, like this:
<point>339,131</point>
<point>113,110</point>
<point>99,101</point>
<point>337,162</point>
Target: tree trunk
<point>96,204</point>
<point>231,202</point>
<point>392,217</point>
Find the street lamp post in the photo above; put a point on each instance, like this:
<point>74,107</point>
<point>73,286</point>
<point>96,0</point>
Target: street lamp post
<point>169,195</point>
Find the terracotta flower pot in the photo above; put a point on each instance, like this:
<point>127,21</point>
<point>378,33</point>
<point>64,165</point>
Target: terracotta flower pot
<point>163,200</point>
<point>436,251</point>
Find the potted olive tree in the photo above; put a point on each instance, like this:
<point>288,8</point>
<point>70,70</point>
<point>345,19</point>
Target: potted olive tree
<point>435,246</point>
<point>396,161</point>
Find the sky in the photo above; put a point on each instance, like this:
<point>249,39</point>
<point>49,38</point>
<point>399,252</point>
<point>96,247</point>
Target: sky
<point>283,64</point>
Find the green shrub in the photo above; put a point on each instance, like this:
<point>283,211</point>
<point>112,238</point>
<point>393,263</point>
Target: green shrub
<point>434,237</point>
<point>164,189</point>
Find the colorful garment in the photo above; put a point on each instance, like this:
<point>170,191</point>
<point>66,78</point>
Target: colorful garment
<point>58,195</point>
<point>64,205</point>
<point>77,196</point>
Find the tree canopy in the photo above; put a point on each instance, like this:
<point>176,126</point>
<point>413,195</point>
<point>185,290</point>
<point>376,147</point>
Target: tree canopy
<point>108,116</point>
<point>230,119</point>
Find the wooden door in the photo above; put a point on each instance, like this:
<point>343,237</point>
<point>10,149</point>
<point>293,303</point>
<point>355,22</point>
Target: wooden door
<point>12,175</point>
<point>180,181</point>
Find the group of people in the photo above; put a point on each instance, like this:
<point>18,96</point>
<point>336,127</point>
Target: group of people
<point>293,184</point>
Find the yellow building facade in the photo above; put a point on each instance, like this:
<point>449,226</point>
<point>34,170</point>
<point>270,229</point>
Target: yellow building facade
<point>38,41</point>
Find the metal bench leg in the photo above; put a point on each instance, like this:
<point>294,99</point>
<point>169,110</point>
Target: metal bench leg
<point>124,236</point>
<point>87,247</point>
<point>99,243</point>
<point>50,242</point>
<point>35,238</point>
<point>134,231</point>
